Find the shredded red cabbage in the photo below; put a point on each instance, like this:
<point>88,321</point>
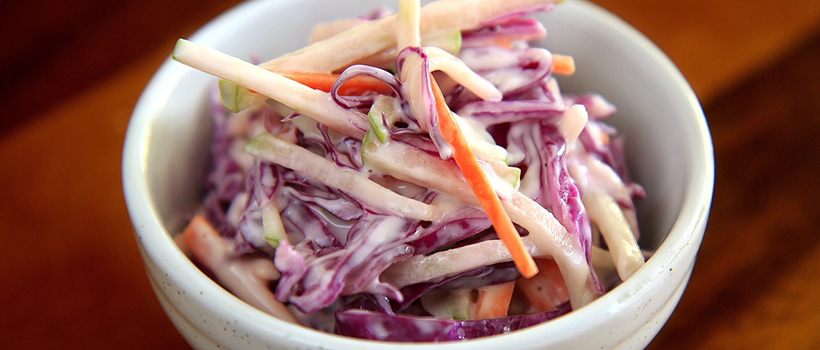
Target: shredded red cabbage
<point>337,245</point>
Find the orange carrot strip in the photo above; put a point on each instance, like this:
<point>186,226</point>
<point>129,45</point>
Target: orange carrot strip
<point>503,43</point>
<point>246,277</point>
<point>357,85</point>
<point>480,185</point>
<point>563,64</point>
<point>547,289</point>
<point>494,300</point>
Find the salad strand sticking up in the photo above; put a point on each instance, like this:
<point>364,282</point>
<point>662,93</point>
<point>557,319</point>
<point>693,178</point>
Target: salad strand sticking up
<point>413,177</point>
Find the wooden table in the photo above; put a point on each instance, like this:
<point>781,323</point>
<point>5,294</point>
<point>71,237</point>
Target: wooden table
<point>72,72</point>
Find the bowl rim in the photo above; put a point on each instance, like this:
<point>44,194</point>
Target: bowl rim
<point>157,245</point>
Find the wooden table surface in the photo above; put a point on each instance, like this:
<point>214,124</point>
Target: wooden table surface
<point>72,71</point>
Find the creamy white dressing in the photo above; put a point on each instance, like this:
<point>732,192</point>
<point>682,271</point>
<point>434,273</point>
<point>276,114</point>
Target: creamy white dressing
<point>600,187</point>
<point>530,184</point>
<point>502,68</point>
<point>440,60</point>
<point>450,262</point>
<point>270,148</point>
<point>404,188</point>
<point>592,174</point>
<point>548,234</point>
<point>432,172</point>
<point>615,230</point>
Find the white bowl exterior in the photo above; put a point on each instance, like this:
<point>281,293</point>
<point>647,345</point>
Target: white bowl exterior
<point>671,154</point>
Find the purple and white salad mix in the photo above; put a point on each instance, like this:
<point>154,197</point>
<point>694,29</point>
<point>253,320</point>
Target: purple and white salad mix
<point>338,196</point>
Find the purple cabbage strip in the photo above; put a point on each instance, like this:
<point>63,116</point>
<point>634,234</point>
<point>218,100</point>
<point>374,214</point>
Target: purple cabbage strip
<point>214,212</point>
<point>224,179</point>
<point>602,152</point>
<point>417,141</point>
<point>511,71</point>
<point>559,193</point>
<point>324,252</point>
<point>430,117</point>
<point>545,153</point>
<point>373,243</point>
<point>597,107</point>
<point>612,154</point>
<point>263,182</point>
<point>456,226</point>
<point>316,214</point>
<point>544,91</point>
<point>365,100</point>
<point>413,292</point>
<point>343,246</point>
<point>482,276</point>
<point>346,152</point>
<point>367,324</point>
<point>340,207</point>
<point>498,273</point>
<point>491,113</point>
<point>370,302</point>
<point>514,29</point>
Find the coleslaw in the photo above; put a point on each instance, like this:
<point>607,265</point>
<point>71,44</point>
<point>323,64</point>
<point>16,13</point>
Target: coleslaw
<point>416,176</point>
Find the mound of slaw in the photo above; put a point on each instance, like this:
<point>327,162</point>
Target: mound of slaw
<point>416,176</point>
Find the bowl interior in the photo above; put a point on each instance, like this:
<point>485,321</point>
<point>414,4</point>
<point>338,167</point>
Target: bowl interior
<point>668,147</point>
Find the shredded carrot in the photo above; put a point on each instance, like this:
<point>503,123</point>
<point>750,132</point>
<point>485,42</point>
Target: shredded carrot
<point>547,289</point>
<point>563,64</point>
<point>494,300</point>
<point>201,240</point>
<point>503,43</point>
<point>480,185</point>
<point>324,81</point>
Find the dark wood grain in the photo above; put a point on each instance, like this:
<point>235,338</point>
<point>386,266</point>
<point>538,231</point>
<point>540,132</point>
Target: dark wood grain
<point>755,284</point>
<point>51,49</point>
<point>718,43</point>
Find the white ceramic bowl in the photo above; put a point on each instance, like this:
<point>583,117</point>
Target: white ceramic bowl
<point>669,150</point>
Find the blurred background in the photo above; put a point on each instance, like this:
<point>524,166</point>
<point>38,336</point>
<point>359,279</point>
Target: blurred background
<point>71,71</point>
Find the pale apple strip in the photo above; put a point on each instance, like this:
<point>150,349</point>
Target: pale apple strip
<point>236,98</point>
<point>313,103</point>
<point>372,37</point>
<point>422,268</point>
<point>421,168</point>
<point>604,211</point>
<point>548,234</point>
<point>441,60</point>
<point>600,185</point>
<point>268,147</point>
<point>407,30</point>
